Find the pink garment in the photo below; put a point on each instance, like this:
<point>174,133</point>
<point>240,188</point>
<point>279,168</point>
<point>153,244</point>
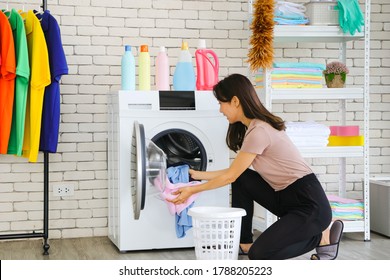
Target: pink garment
<point>171,188</point>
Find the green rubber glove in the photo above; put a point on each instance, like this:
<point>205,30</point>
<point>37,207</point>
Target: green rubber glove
<point>350,16</point>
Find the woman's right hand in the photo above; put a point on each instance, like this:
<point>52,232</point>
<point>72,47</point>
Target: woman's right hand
<point>193,174</point>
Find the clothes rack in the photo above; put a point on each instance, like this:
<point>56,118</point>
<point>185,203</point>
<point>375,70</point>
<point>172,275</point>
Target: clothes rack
<point>45,233</point>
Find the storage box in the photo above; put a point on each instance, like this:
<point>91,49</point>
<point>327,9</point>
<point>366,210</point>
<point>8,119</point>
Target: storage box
<point>322,13</point>
<point>380,205</point>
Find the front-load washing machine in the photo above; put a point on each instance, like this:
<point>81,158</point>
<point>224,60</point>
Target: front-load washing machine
<point>177,127</point>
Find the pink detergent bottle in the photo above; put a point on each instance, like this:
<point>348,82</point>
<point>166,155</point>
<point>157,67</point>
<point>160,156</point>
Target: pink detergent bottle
<point>207,67</point>
<point>162,70</point>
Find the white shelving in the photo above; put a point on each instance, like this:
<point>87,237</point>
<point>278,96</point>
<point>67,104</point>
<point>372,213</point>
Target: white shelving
<point>317,94</point>
<point>312,33</point>
<point>328,34</point>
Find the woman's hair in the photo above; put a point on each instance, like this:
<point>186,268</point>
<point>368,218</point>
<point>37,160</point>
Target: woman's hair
<point>240,86</point>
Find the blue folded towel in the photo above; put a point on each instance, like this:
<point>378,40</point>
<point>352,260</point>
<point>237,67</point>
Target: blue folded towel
<point>299,65</point>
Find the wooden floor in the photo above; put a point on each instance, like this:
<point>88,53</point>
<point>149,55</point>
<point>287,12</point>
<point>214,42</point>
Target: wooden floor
<point>352,247</point>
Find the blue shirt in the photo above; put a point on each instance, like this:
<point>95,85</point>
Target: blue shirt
<point>58,67</point>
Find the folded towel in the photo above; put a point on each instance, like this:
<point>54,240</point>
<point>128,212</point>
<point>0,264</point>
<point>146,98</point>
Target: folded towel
<point>305,142</point>
<point>299,65</point>
<point>282,21</point>
<point>297,85</point>
<point>345,208</point>
<point>307,128</point>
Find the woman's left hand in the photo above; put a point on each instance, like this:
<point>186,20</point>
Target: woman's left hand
<point>182,195</point>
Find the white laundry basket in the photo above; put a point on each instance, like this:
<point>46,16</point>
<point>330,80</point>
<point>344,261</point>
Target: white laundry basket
<point>216,232</point>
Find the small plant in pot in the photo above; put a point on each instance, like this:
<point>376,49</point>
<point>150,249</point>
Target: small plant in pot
<point>335,74</point>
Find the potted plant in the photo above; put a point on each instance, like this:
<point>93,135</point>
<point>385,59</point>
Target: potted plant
<point>335,74</point>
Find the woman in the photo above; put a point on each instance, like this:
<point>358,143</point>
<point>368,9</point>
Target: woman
<point>280,180</point>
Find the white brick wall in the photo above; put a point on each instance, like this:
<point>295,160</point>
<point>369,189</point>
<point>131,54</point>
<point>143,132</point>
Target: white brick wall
<point>94,33</point>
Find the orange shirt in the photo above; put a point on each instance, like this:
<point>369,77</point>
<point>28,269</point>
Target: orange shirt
<point>7,80</point>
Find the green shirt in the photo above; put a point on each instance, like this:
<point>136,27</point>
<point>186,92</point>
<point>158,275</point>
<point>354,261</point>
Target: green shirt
<point>15,142</point>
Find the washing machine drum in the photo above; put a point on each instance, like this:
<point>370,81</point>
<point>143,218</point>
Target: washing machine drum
<point>150,159</point>
<point>182,147</point>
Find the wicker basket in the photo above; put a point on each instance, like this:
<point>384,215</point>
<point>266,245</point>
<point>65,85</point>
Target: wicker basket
<point>322,13</point>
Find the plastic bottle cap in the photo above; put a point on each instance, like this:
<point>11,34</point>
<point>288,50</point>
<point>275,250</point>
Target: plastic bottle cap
<point>128,48</point>
<point>184,46</point>
<point>202,44</point>
<point>162,49</point>
<point>144,48</point>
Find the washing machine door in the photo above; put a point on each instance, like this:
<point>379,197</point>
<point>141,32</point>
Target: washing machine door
<point>148,167</point>
<point>138,169</point>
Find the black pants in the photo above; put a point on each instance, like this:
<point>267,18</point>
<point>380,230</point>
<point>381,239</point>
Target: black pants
<point>303,210</point>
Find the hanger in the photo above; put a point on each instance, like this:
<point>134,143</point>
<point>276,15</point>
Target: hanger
<point>7,10</point>
<point>40,11</point>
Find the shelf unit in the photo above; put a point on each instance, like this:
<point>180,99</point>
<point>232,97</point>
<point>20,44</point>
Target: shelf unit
<point>328,34</point>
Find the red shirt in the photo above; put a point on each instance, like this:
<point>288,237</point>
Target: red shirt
<point>7,80</point>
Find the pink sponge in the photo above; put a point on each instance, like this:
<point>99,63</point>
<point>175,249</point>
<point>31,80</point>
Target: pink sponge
<point>344,130</point>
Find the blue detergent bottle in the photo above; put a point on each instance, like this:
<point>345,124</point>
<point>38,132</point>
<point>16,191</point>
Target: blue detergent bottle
<point>128,70</point>
<point>184,75</point>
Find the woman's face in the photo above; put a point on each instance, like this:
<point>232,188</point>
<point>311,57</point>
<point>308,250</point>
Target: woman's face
<point>229,110</point>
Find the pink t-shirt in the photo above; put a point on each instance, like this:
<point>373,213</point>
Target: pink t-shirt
<point>278,160</point>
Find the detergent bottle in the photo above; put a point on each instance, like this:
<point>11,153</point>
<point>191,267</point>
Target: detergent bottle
<point>162,70</point>
<point>144,69</point>
<point>184,75</point>
<point>207,67</point>
<point>128,70</point>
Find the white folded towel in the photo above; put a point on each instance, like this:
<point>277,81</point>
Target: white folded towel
<point>308,128</point>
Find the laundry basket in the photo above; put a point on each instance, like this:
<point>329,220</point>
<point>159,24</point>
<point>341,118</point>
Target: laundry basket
<point>216,232</point>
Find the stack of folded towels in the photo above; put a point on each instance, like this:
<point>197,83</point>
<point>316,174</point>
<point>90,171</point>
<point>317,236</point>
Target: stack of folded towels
<point>288,13</point>
<point>346,208</point>
<point>308,134</point>
<point>293,75</point>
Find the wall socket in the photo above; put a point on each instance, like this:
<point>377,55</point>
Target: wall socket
<point>63,190</point>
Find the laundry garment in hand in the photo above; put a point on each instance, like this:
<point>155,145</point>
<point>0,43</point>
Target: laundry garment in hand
<point>177,174</point>
<point>167,194</point>
<point>183,222</point>
<point>350,16</point>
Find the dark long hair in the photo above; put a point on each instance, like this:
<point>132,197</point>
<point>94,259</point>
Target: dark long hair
<point>240,86</point>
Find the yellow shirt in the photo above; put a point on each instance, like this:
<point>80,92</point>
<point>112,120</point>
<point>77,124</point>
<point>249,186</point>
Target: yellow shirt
<point>39,79</point>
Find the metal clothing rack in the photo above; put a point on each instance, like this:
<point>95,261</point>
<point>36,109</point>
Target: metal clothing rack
<point>45,233</point>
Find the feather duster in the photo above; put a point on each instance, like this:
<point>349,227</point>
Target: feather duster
<point>261,52</point>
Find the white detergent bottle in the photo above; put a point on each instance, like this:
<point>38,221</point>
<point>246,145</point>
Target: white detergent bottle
<point>128,70</point>
<point>184,75</point>
<point>162,70</point>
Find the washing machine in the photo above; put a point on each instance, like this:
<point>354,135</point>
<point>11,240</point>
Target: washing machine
<point>148,132</point>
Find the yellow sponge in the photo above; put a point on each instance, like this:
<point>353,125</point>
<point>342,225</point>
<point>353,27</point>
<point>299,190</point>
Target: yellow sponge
<point>346,140</point>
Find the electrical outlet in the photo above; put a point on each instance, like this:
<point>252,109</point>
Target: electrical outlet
<point>63,190</point>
